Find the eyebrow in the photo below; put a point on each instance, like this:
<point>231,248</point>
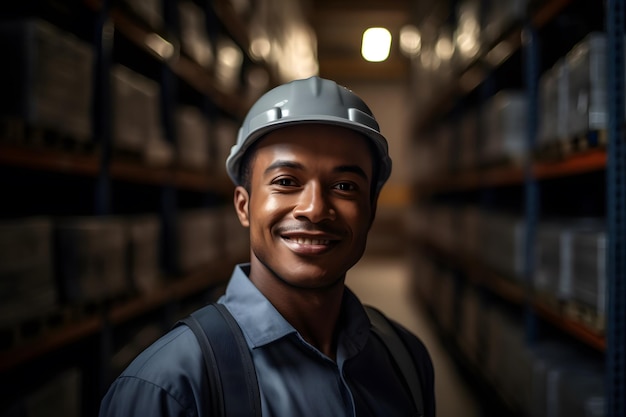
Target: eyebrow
<point>355,169</point>
<point>283,164</point>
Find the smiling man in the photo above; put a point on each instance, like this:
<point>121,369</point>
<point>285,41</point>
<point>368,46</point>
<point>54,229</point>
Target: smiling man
<point>308,166</point>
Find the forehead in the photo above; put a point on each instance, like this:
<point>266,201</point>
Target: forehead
<point>323,142</point>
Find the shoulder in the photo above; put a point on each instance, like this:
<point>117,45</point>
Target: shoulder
<point>177,351</point>
<point>168,375</point>
<point>423,364</point>
<point>414,344</point>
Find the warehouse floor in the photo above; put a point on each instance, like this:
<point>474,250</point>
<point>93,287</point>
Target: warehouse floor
<point>384,283</point>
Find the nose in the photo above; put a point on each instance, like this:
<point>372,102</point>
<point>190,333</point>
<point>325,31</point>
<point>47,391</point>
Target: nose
<point>313,204</point>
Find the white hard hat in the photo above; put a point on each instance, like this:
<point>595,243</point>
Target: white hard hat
<point>313,100</point>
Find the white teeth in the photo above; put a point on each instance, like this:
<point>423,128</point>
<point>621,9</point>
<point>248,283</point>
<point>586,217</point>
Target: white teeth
<point>306,241</point>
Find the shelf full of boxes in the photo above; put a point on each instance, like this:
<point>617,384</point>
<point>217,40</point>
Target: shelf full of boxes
<point>115,122</point>
<point>513,218</point>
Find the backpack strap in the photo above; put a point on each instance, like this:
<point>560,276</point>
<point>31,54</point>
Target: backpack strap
<point>234,389</point>
<point>385,331</point>
<point>229,365</point>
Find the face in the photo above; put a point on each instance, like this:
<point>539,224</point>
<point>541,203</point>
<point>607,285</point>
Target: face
<point>309,208</point>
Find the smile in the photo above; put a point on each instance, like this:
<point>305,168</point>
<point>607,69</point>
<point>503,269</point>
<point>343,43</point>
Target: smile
<point>308,242</point>
<point>308,245</point>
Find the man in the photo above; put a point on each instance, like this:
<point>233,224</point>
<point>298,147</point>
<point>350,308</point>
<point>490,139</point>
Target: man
<point>308,165</point>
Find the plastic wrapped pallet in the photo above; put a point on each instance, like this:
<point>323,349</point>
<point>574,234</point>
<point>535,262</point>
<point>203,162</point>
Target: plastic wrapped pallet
<point>27,286</point>
<point>194,36</point>
<point>504,127</point>
<point>46,78</point>
<point>137,127</point>
<point>91,259</point>
<point>193,137</point>
<point>135,106</point>
<point>502,245</point>
<point>143,252</point>
<point>200,238</point>
<point>551,361</point>
<point>587,85</point>
<point>553,275</point>
<point>589,276</point>
<point>554,105</point>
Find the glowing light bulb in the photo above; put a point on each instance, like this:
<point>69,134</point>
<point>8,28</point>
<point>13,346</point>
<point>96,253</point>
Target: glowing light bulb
<point>376,44</point>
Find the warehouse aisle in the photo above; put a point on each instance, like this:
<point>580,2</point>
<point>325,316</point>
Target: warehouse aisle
<point>384,283</point>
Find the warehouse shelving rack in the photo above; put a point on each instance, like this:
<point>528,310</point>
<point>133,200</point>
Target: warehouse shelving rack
<point>87,337</point>
<point>606,161</point>
<point>616,179</point>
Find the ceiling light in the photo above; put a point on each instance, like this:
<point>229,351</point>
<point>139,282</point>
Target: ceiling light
<point>376,44</point>
<point>260,48</point>
<point>410,40</point>
<point>444,47</point>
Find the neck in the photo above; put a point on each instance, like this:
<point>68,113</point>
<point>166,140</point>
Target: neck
<point>313,312</point>
<point>316,319</point>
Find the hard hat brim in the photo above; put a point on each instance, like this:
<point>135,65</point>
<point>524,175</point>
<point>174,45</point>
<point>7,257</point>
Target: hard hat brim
<point>233,163</point>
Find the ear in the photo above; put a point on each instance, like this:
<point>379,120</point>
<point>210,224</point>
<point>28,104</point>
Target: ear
<point>241,200</point>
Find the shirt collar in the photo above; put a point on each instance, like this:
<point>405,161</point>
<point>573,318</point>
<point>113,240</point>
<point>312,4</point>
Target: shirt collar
<point>262,324</point>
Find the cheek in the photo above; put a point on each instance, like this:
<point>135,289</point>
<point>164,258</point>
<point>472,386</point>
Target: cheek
<point>359,216</point>
<point>266,209</point>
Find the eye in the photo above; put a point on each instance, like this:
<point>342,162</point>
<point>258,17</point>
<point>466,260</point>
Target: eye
<point>345,186</point>
<point>284,182</point>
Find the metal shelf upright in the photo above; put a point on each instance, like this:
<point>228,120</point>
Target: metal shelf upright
<point>530,45</point>
<point>616,202</point>
<point>101,116</point>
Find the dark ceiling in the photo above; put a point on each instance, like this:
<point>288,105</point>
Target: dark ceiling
<point>339,26</point>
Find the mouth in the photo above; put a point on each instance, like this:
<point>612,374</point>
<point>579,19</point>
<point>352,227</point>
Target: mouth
<point>308,241</point>
<point>308,245</point>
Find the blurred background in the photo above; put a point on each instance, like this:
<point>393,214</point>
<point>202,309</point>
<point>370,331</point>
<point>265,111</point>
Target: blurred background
<point>499,238</point>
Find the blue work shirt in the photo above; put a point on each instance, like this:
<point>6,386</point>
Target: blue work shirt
<point>295,378</point>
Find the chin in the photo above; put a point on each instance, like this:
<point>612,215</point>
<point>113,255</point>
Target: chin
<point>307,275</point>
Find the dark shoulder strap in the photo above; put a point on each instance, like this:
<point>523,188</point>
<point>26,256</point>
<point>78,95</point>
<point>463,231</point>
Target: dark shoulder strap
<point>231,374</point>
<point>214,402</point>
<point>399,352</point>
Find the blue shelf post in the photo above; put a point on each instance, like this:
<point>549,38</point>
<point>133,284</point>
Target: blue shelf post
<point>616,207</point>
<point>530,40</point>
<point>169,193</point>
<point>101,113</point>
<point>100,374</point>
